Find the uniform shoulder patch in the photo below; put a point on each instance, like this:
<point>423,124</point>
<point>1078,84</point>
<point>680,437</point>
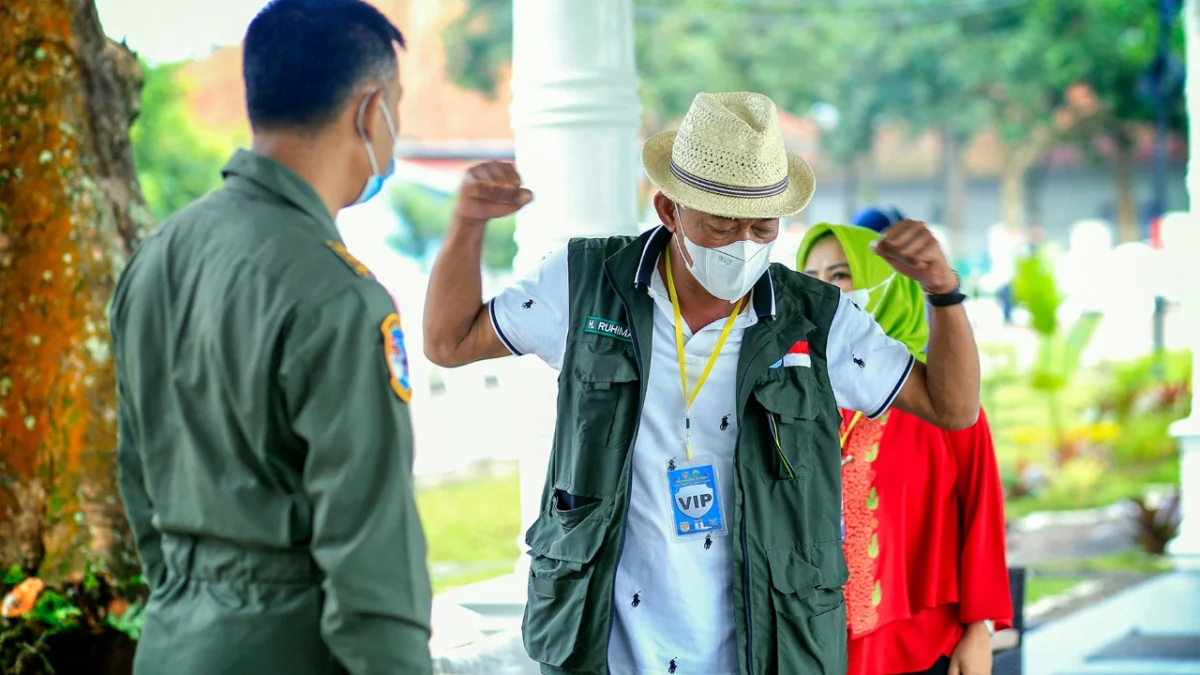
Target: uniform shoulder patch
<point>396,356</point>
<point>355,264</point>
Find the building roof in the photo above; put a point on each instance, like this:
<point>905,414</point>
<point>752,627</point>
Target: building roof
<point>433,109</point>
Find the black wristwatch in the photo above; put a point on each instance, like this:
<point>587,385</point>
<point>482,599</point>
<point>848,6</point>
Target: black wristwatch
<point>954,297</point>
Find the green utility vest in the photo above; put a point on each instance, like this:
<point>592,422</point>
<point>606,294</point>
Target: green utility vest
<point>789,570</point>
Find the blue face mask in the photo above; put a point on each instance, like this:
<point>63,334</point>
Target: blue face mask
<point>376,180</point>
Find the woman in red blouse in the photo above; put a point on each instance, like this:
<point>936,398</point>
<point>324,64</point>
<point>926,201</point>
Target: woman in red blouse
<point>923,508</point>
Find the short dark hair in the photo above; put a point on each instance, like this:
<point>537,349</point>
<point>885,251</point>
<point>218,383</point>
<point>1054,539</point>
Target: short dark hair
<point>303,59</point>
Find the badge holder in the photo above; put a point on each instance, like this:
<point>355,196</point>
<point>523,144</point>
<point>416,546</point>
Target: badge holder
<point>694,490</point>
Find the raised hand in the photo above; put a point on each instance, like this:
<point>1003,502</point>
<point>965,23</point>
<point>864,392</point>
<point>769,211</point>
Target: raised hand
<point>910,248</point>
<point>491,190</point>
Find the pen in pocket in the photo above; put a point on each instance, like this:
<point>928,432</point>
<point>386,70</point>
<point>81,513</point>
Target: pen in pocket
<point>773,426</point>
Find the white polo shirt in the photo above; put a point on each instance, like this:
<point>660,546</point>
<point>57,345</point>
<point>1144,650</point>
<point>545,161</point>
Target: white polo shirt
<point>684,607</point>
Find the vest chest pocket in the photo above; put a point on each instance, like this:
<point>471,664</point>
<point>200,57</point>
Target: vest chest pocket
<point>790,401</point>
<point>603,409</point>
<point>561,577</point>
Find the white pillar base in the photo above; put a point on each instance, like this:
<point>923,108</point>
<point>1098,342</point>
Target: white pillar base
<point>1185,547</point>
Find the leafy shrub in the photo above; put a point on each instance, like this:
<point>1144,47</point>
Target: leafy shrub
<point>90,624</point>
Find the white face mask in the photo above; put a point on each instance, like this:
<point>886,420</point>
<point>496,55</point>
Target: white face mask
<point>728,272</point>
<point>863,296</point>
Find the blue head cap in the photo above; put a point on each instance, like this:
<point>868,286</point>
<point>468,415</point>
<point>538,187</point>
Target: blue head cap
<point>878,218</point>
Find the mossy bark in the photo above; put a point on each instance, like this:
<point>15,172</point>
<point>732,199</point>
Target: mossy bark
<point>70,214</point>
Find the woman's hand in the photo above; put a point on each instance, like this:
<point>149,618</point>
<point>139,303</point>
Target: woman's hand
<point>973,655</point>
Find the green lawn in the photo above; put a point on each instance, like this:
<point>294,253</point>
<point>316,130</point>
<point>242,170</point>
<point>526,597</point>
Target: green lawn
<point>1037,588</point>
<point>472,525</point>
<point>1131,561</point>
<point>1053,578</point>
<point>1116,486</point>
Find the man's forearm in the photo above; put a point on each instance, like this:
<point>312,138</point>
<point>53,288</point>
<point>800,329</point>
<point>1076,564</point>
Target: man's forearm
<point>455,292</point>
<point>952,368</point>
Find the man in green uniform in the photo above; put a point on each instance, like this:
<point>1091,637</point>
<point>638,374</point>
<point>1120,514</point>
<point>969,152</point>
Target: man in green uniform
<point>265,446</point>
<point>690,516</point>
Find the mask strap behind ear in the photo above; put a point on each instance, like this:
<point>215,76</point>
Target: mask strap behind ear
<point>387,117</point>
<point>362,131</point>
<point>678,243</point>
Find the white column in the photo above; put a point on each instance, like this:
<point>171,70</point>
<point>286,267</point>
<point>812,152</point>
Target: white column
<point>1186,547</point>
<point>575,115</point>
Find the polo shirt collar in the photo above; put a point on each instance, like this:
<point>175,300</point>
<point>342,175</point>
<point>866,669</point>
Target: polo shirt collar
<point>763,297</point>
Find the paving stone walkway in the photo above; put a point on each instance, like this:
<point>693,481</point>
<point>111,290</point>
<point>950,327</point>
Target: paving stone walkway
<point>1159,618</point>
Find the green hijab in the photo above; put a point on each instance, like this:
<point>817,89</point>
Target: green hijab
<point>899,307</point>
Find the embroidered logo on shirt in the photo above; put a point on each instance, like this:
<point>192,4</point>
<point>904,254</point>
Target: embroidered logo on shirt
<point>396,356</point>
<point>527,304</point>
<point>859,362</point>
<point>598,326</point>
<point>340,249</point>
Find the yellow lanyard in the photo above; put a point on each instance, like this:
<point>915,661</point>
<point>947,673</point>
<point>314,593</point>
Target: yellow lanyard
<point>687,400</point>
<point>853,421</point>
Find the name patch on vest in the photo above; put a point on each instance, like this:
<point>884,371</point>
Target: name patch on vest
<point>598,326</point>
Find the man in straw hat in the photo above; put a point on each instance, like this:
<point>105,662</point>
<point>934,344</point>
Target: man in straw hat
<point>691,511</point>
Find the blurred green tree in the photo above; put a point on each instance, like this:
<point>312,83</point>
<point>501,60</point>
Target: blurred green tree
<point>176,161</point>
<point>708,50</point>
<point>1119,46</point>
<point>425,215</point>
<point>1013,67</point>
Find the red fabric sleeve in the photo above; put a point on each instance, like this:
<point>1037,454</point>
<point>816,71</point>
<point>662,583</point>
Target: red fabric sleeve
<point>982,567</point>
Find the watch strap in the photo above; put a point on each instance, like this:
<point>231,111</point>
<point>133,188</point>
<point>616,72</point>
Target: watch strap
<point>954,297</point>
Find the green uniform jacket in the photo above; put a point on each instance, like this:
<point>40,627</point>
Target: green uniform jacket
<point>265,447</point>
<point>789,570</point>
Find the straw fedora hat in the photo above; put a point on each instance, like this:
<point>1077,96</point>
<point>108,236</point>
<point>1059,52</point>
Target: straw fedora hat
<point>728,159</point>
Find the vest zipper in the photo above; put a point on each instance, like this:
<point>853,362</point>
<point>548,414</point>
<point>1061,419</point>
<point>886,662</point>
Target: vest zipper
<point>746,593</point>
<point>637,356</point>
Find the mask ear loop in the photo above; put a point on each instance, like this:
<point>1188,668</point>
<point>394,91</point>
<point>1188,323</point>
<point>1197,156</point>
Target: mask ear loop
<point>362,132</point>
<point>682,255</point>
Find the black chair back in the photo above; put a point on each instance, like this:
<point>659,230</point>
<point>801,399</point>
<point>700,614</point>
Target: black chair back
<point>1009,659</point>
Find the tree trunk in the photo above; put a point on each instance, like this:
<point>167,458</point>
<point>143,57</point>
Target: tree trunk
<point>1017,161</point>
<point>1127,222</point>
<point>956,192</point>
<point>70,213</point>
<point>1012,196</point>
<point>850,191</point>
<point>868,183</point>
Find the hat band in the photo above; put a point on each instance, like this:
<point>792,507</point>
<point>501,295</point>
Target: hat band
<point>728,190</point>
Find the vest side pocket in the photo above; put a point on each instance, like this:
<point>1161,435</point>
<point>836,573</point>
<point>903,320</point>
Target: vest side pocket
<point>810,610</point>
<point>562,555</point>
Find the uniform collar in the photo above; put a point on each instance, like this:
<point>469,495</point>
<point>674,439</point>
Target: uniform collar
<point>262,174</point>
<point>764,290</point>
